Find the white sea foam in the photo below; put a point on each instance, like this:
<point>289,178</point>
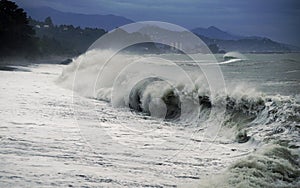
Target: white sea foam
<point>251,117</point>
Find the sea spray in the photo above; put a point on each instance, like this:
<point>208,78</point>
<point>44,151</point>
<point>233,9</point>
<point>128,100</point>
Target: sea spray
<point>271,166</point>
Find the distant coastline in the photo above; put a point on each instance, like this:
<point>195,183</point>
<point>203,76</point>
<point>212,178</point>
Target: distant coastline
<point>47,39</point>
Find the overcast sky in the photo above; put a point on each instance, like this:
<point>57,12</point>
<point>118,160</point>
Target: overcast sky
<point>276,19</point>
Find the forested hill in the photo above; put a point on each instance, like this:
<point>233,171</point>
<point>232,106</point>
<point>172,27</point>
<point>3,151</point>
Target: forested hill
<point>23,37</point>
<point>64,39</point>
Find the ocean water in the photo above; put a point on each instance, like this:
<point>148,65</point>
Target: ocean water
<point>117,124</point>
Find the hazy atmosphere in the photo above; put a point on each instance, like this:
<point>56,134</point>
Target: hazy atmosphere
<point>276,19</point>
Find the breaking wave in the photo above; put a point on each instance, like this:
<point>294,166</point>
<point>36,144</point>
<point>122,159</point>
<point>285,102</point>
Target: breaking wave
<point>91,77</point>
<point>253,117</point>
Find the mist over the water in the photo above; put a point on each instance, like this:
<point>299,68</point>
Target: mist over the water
<point>262,115</point>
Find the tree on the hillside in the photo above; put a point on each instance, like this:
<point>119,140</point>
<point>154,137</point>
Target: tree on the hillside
<point>48,21</point>
<point>16,35</point>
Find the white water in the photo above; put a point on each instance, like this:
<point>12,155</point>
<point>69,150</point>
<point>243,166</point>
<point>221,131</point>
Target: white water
<point>42,143</point>
<point>50,138</point>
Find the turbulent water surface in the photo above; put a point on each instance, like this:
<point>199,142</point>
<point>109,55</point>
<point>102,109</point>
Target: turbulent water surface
<point>53,137</point>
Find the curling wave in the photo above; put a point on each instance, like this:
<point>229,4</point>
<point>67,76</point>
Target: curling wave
<point>251,117</point>
<point>155,93</point>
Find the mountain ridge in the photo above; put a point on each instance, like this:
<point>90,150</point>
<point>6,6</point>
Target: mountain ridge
<point>107,22</point>
<point>253,44</point>
<point>216,33</point>
<point>226,41</point>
